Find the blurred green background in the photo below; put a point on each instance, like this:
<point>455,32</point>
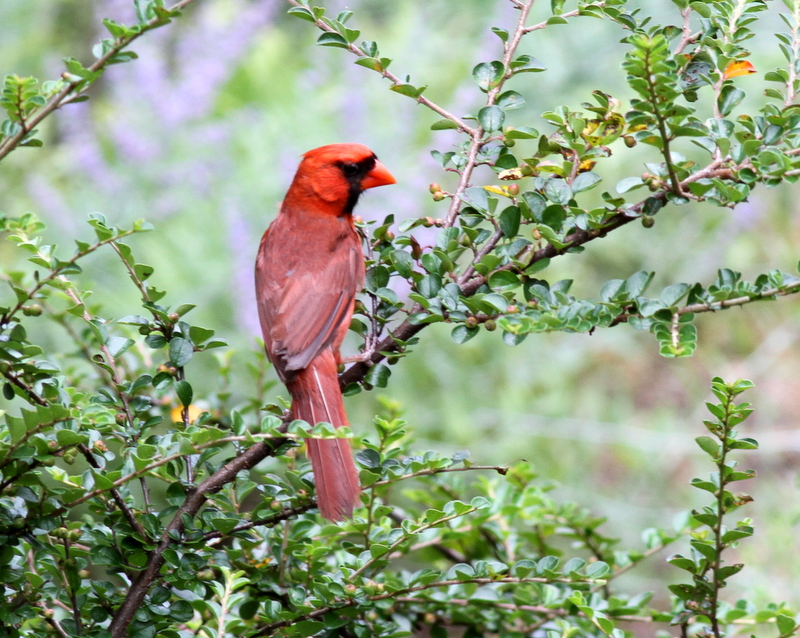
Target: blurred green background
<point>201,136</point>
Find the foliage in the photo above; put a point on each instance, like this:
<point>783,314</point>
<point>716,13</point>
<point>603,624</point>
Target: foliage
<point>131,505</point>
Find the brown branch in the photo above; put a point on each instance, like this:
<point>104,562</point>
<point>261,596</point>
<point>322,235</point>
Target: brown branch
<point>478,141</point>
<point>687,37</point>
<point>450,554</point>
<point>121,504</point>
<point>268,521</point>
<point>406,330</point>
<point>191,506</point>
<point>713,306</point>
<point>28,390</point>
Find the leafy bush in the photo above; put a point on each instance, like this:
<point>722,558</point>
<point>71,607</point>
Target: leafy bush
<point>131,505</point>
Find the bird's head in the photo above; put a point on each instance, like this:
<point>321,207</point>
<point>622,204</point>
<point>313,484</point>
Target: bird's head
<point>331,178</point>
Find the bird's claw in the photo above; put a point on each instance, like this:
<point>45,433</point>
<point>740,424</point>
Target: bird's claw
<point>364,357</point>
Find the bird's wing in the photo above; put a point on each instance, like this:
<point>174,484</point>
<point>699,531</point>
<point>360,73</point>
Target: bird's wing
<point>304,298</point>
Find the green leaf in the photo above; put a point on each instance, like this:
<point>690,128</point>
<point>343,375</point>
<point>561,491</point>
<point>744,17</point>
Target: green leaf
<point>441,125</point>
<point>185,393</point>
<point>510,100</point>
<point>378,376</point>
<point>558,192</point>
<point>429,286</point>
<point>68,437</point>
<point>585,181</point>
<point>491,118</point>
<point>118,345</point>
<point>786,624</point>
<point>729,98</point>
<point>509,221</point>
<point>302,13</point>
<point>488,74</point>
<point>180,351</point>
<point>629,183</point>
<point>709,446</point>
<point>527,64</point>
<point>408,89</point>
<point>462,334</point>
<point>671,295</point>
<point>331,39</point>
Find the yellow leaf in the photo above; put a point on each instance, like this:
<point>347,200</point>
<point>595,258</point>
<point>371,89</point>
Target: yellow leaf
<point>735,69</point>
<point>511,173</point>
<point>497,190</point>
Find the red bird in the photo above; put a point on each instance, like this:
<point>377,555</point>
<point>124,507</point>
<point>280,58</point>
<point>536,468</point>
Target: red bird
<point>308,270</point>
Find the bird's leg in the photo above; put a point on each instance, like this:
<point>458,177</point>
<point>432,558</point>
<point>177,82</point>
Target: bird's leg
<point>365,356</point>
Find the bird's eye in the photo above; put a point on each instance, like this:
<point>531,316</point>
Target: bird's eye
<point>349,169</point>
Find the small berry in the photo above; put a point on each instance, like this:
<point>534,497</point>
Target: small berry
<point>471,322</point>
<point>629,140</point>
<point>434,188</point>
<point>490,325</point>
<point>513,189</point>
<point>648,221</point>
<point>438,196</point>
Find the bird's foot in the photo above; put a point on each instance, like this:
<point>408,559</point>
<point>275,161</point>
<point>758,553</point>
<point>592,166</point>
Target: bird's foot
<point>362,357</point>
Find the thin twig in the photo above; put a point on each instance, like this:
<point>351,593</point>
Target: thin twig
<point>69,91</point>
<point>461,124</point>
<point>269,629</point>
<point>500,469</point>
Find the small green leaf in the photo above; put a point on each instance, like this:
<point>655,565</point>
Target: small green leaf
<point>510,100</point>
<point>585,181</point>
<point>180,351</point>
<point>491,118</point>
<point>488,74</point>
<point>509,221</point>
<point>185,393</point>
<point>729,98</point>
<point>408,89</point>
<point>330,39</point>
<point>462,334</point>
<point>441,125</point>
<point>629,183</point>
<point>302,13</point>
<point>709,446</point>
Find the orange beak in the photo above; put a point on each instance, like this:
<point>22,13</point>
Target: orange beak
<point>378,176</point>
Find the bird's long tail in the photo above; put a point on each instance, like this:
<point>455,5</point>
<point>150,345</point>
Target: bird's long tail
<point>315,398</point>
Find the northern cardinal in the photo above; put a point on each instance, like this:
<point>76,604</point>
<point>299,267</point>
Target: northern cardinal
<point>309,268</point>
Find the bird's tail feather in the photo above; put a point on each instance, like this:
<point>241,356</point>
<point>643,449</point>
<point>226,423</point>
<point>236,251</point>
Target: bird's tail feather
<point>316,397</point>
